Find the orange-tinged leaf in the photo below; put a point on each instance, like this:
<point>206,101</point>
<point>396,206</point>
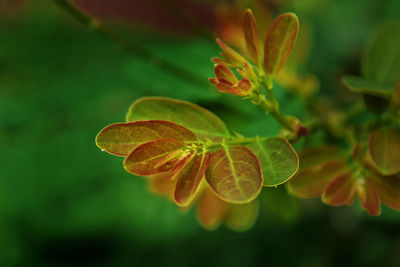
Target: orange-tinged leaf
<point>369,197</point>
<point>279,42</point>
<point>395,103</point>
<point>122,138</point>
<point>211,210</point>
<point>240,218</point>
<point>223,72</point>
<point>203,123</point>
<point>234,174</point>
<point>232,57</point>
<point>312,182</point>
<point>251,36</point>
<point>388,188</point>
<point>145,159</point>
<point>160,184</point>
<point>341,190</point>
<point>278,160</point>
<point>384,149</point>
<point>317,156</point>
<point>189,179</point>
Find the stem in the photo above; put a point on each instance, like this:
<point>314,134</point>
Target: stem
<point>132,48</point>
<point>235,141</point>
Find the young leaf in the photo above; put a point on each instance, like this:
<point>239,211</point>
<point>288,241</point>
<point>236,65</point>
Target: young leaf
<point>160,184</point>
<point>318,156</point>
<point>369,198</point>
<point>388,188</point>
<point>279,42</point>
<point>234,174</point>
<point>361,85</point>
<point>312,182</point>
<point>199,120</point>
<point>211,210</point>
<point>189,179</point>
<point>144,160</point>
<point>278,160</point>
<point>122,138</point>
<point>384,149</point>
<point>341,190</point>
<point>242,217</point>
<point>251,36</point>
<point>381,63</point>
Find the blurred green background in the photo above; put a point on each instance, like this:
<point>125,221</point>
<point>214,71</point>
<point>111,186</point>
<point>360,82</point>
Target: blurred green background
<point>65,203</point>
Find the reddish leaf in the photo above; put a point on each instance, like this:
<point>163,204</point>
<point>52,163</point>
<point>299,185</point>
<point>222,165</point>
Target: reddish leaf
<point>232,58</point>
<point>395,103</point>
<point>251,36</point>
<point>160,184</point>
<point>211,210</point>
<point>341,190</point>
<point>388,188</point>
<point>122,138</point>
<point>369,197</point>
<point>223,72</point>
<point>189,179</point>
<point>234,174</point>
<point>384,149</point>
<point>242,217</point>
<point>145,159</point>
<point>312,182</point>
<point>279,42</point>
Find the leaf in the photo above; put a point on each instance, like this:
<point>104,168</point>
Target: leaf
<point>384,149</point>
<point>388,188</point>
<point>361,85</point>
<point>211,210</point>
<point>240,218</point>
<point>381,62</point>
<point>312,182</point>
<point>278,160</point>
<point>189,179</point>
<point>395,103</point>
<point>279,42</point>
<point>369,197</point>
<point>145,159</point>
<point>341,190</point>
<point>199,120</point>
<point>122,138</point>
<point>234,174</point>
<point>317,156</point>
<point>251,36</point>
<point>160,184</point>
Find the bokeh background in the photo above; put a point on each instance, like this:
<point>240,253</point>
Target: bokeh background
<point>63,202</point>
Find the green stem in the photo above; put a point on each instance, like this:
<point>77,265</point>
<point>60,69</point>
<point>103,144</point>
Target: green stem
<point>233,141</point>
<point>134,49</point>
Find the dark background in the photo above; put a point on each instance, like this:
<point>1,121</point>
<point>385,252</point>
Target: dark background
<point>65,203</point>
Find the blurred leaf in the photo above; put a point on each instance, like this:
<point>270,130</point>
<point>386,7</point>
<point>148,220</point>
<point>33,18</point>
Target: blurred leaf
<point>201,121</point>
<point>315,156</point>
<point>369,198</point>
<point>211,210</point>
<point>189,179</point>
<point>279,42</point>
<point>384,149</point>
<point>388,188</point>
<point>145,159</point>
<point>361,85</point>
<point>234,174</point>
<point>240,218</point>
<point>251,36</point>
<point>312,182</point>
<point>395,103</point>
<point>341,190</point>
<point>122,138</point>
<point>381,63</point>
<point>278,160</point>
<point>160,184</point>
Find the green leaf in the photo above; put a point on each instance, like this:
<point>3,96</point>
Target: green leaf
<point>201,121</point>
<point>312,182</point>
<point>234,174</point>
<point>388,188</point>
<point>361,85</point>
<point>189,179</point>
<point>240,218</point>
<point>211,210</point>
<point>145,159</point>
<point>384,149</point>
<point>122,138</point>
<point>341,190</point>
<point>381,63</point>
<point>279,42</point>
<point>278,160</point>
